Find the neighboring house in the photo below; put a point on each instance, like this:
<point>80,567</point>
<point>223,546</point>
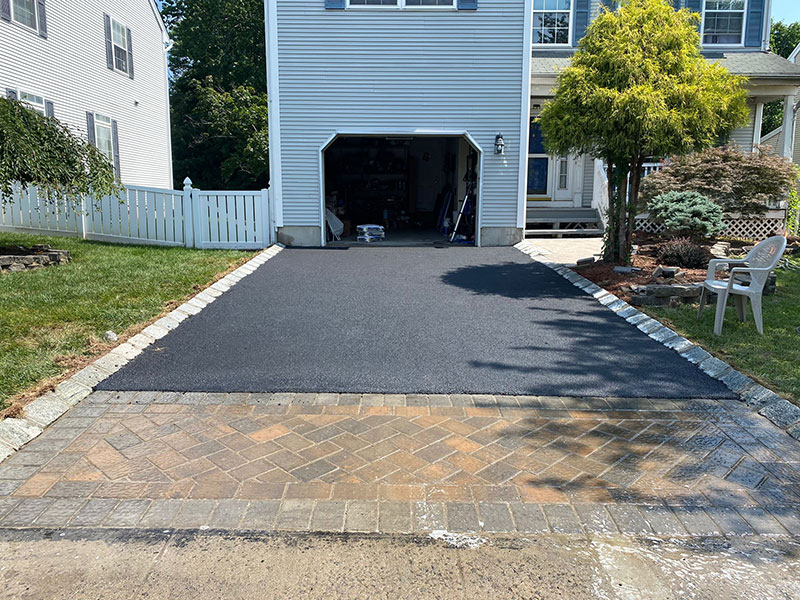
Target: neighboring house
<point>379,107</point>
<point>99,67</point>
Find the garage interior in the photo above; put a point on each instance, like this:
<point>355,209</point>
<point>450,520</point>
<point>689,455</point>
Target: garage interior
<point>414,187</point>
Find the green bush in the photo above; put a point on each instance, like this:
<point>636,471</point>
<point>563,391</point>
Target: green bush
<point>687,214</point>
<point>793,213</point>
<point>683,252</point>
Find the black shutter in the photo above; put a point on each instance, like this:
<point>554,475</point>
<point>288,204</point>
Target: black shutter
<point>42,18</point>
<point>109,46</point>
<point>754,31</point>
<point>695,5</point>
<point>5,10</point>
<point>49,109</point>
<point>580,18</point>
<point>676,4</point>
<point>335,4</point>
<point>130,55</point>
<point>467,4</point>
<point>90,129</point>
<point>11,94</point>
<point>115,138</point>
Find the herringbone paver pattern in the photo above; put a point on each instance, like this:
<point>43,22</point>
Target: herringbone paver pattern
<point>403,463</point>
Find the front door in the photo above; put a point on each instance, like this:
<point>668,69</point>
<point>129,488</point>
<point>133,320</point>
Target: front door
<point>551,179</point>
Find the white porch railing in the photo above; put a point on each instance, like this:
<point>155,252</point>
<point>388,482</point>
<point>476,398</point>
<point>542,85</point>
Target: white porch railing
<point>140,215</point>
<point>600,199</point>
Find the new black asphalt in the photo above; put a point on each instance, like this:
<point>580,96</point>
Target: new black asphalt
<point>411,320</point>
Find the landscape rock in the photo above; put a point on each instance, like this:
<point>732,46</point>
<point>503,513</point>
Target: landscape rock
<point>110,336</point>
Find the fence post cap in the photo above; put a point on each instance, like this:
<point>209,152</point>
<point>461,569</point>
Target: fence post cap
<point>187,181</point>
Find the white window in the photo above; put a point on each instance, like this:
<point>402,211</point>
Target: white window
<point>119,40</point>
<point>563,173</point>
<point>401,3</point>
<point>104,136</point>
<point>552,20</point>
<point>34,102</point>
<point>24,13</point>
<point>723,22</point>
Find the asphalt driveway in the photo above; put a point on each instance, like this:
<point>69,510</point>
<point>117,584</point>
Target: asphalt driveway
<point>411,320</point>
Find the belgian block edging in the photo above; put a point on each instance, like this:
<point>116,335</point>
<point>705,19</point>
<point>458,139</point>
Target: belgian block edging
<point>767,403</point>
<point>37,415</point>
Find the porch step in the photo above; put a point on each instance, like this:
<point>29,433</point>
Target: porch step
<point>560,232</point>
<point>563,221</point>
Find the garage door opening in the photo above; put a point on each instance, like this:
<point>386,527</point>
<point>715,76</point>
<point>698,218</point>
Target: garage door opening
<point>417,190</point>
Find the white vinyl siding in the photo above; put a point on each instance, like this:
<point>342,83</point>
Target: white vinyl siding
<point>69,68</point>
<point>420,4</point>
<point>400,70</point>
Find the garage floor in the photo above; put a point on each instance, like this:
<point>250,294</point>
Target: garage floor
<point>411,320</point>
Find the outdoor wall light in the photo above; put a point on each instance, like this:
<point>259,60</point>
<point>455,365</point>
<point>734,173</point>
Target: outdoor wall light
<point>499,144</point>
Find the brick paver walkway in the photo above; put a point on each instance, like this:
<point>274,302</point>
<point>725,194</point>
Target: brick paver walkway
<point>396,463</point>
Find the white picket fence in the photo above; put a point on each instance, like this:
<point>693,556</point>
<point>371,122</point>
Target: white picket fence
<point>139,215</point>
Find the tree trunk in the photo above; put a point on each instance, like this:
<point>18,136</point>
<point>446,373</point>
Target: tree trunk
<point>609,246</point>
<point>633,203</point>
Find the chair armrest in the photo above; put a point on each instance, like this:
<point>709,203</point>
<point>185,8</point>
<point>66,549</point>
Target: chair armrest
<point>736,270</point>
<point>716,262</point>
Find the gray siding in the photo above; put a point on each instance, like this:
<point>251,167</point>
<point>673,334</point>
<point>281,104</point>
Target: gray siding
<point>588,182</point>
<point>743,137</point>
<point>388,69</point>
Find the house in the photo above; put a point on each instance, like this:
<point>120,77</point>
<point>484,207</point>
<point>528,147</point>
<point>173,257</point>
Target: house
<point>775,139</point>
<point>99,67</point>
<point>393,111</point>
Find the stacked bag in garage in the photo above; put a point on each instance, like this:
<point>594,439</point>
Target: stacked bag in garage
<point>370,233</point>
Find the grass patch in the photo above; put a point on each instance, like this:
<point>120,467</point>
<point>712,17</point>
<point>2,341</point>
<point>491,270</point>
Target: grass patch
<point>774,358</point>
<point>52,320</point>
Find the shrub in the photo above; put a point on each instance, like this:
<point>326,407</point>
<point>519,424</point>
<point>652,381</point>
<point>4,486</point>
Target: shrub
<point>740,182</point>
<point>687,214</point>
<point>793,212</point>
<point>683,252</point>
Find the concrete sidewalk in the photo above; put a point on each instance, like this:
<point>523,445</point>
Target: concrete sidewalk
<point>210,565</point>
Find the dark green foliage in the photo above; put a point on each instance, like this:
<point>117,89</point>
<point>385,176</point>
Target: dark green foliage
<point>223,136</point>
<point>686,213</point>
<point>219,93</point>
<point>40,151</point>
<point>683,252</point>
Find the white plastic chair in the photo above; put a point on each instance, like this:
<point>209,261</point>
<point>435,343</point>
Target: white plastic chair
<point>759,263</point>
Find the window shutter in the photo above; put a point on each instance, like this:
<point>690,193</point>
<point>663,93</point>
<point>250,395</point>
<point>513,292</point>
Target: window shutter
<point>609,4</point>
<point>335,4</point>
<point>49,109</point>
<point>695,5</point>
<point>130,55</point>
<point>11,94</point>
<point>467,4</point>
<point>109,46</point>
<point>90,129</point>
<point>754,29</point>
<point>42,18</point>
<point>580,20</point>
<point>115,137</point>
<point>677,4</point>
<point>5,10</point>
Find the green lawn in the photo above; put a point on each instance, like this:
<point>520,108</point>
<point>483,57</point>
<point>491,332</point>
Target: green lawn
<point>54,318</point>
<point>774,358</point>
